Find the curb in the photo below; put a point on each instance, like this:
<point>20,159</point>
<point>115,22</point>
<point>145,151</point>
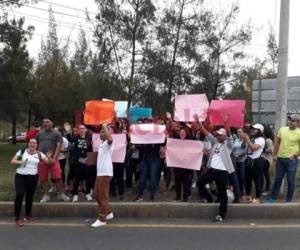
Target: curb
<point>160,210</point>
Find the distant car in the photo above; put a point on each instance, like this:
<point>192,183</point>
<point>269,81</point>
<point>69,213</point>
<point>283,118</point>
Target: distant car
<point>20,137</point>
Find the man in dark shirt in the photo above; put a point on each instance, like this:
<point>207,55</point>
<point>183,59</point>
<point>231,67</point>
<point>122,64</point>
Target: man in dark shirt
<point>50,141</point>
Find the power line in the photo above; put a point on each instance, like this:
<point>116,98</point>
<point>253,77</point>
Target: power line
<point>56,12</point>
<point>64,24</point>
<point>68,7</point>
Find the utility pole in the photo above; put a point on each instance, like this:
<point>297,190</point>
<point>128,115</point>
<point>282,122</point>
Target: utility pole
<point>282,75</point>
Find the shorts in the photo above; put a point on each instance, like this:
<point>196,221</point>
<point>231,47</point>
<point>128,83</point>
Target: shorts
<point>54,168</point>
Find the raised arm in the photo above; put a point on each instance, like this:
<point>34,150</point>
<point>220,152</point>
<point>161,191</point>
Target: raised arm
<point>107,134</point>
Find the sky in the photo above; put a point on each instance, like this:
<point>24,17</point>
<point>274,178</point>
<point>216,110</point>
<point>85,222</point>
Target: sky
<point>70,16</point>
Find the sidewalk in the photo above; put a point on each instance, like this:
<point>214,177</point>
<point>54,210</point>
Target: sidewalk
<point>145,210</point>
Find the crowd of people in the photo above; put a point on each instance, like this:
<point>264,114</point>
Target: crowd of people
<point>233,160</point>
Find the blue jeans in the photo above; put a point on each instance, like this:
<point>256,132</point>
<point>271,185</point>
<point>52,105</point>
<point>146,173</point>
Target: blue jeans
<point>240,171</point>
<point>149,168</point>
<point>285,165</point>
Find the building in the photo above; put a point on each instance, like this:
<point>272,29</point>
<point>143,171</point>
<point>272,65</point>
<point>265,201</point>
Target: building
<point>264,99</point>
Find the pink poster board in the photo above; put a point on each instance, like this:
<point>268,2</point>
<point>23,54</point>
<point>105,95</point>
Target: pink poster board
<point>234,108</point>
<point>186,154</point>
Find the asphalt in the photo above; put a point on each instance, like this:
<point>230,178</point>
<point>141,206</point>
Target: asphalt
<point>164,234</point>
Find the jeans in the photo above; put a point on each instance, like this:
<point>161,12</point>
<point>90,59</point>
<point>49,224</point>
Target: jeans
<point>118,179</point>
<point>240,171</point>
<point>221,179</point>
<point>234,182</point>
<point>182,180</point>
<point>101,192</point>
<point>25,185</point>
<point>149,167</point>
<point>284,165</point>
<point>266,177</point>
<point>254,172</point>
<point>132,170</point>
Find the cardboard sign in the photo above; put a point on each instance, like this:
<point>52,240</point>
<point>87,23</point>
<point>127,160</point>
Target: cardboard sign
<point>136,112</point>
<point>119,151</point>
<point>186,106</point>
<point>99,112</point>
<point>186,154</point>
<point>147,134</point>
<point>234,108</point>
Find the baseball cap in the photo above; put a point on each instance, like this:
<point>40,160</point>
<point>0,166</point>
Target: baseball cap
<point>294,117</point>
<point>258,126</point>
<point>221,131</point>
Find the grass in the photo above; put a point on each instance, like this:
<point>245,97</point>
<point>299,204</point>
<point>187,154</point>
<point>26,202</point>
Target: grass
<point>7,174</point>
<point>7,171</point>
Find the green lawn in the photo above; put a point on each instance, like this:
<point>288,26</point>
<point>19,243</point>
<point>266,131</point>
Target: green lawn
<point>7,173</point>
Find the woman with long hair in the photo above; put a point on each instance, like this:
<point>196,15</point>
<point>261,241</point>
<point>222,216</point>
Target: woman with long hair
<point>26,178</point>
<point>255,144</point>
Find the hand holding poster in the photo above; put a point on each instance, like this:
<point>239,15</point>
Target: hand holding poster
<point>186,154</point>
<point>234,108</point>
<point>147,134</point>
<point>186,106</point>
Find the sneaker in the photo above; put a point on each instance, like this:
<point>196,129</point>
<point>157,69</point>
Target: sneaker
<point>110,216</point>
<point>63,197</point>
<point>177,199</point>
<point>45,198</point>
<point>121,198</point>
<point>89,197</point>
<point>98,223</point>
<point>29,219</point>
<point>52,189</point>
<point>19,223</point>
<point>269,200</point>
<point>75,198</point>
<point>218,218</point>
<point>138,199</point>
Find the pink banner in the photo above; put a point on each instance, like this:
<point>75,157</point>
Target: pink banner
<point>235,109</point>
<point>186,154</point>
<point>96,141</point>
<point>186,106</point>
<point>119,152</point>
<point>147,134</point>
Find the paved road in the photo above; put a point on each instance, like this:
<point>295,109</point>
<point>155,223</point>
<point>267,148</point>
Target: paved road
<point>144,235</point>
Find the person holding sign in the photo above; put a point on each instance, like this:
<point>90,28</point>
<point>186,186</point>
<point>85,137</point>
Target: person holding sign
<point>104,176</point>
<point>219,165</point>
<point>182,176</point>
<point>26,178</point>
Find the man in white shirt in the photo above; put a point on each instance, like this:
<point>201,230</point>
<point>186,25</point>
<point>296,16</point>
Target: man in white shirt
<point>104,175</point>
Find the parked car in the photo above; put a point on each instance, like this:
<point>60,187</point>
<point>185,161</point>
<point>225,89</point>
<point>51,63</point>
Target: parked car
<point>20,137</point>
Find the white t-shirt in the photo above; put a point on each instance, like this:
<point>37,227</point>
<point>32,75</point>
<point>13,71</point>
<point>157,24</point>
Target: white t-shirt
<point>31,166</point>
<point>64,147</point>
<point>256,154</point>
<point>216,161</point>
<point>104,160</point>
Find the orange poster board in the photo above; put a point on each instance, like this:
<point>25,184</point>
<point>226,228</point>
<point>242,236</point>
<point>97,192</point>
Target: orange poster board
<point>99,112</point>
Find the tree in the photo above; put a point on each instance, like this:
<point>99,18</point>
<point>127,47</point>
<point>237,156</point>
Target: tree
<point>15,67</point>
<point>56,87</point>
<point>220,41</point>
<point>272,50</point>
<point>167,61</point>
<point>123,25</point>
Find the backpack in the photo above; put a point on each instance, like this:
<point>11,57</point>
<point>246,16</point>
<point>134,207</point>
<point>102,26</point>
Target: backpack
<point>20,157</point>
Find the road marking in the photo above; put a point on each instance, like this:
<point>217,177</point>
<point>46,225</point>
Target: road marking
<point>174,226</point>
